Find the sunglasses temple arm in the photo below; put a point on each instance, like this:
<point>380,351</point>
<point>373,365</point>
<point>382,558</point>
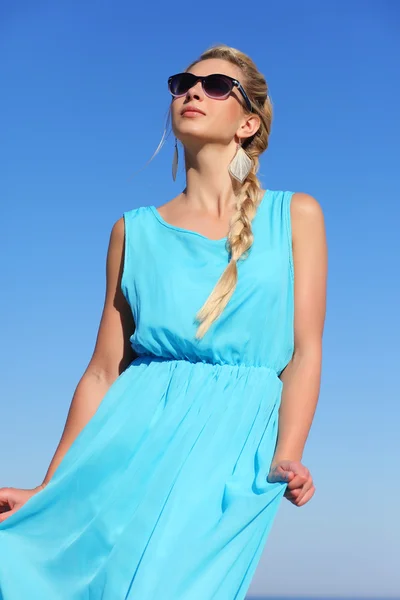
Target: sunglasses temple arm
<point>160,145</point>
<point>245,96</point>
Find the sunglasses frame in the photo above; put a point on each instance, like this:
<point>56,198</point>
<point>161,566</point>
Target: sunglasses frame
<point>234,82</point>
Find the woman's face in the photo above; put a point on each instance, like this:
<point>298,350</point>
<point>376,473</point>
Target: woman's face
<point>222,119</point>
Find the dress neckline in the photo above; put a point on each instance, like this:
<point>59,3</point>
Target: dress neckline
<point>165,223</point>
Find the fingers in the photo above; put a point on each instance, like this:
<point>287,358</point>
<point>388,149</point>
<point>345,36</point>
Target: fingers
<point>4,493</point>
<point>307,496</point>
<point>301,495</point>
<point>297,481</point>
<point>4,499</point>
<point>279,474</point>
<point>300,487</point>
<point>5,515</point>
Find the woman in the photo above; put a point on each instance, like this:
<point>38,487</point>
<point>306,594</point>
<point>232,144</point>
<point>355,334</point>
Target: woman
<point>171,466</point>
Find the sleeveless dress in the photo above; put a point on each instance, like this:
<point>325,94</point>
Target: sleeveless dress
<point>164,494</point>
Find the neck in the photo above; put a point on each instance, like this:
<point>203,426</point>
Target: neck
<point>208,182</point>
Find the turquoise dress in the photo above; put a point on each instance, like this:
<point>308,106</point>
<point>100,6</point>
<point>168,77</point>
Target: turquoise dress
<point>164,494</point>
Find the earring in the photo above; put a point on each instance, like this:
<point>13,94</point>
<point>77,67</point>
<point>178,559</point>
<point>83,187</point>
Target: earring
<point>241,164</point>
<point>175,161</point>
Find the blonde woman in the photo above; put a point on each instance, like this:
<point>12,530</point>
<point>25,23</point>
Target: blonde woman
<point>189,424</point>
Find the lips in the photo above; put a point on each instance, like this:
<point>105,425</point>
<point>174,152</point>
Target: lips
<point>192,109</point>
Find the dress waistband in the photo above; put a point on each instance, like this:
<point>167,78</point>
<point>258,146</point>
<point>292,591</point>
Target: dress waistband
<point>150,358</point>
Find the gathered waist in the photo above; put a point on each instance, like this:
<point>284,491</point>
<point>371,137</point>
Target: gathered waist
<point>150,358</point>
<point>179,381</point>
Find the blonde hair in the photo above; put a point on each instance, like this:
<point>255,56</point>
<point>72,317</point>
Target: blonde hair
<point>248,194</point>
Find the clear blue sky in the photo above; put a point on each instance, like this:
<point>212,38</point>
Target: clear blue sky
<point>82,106</point>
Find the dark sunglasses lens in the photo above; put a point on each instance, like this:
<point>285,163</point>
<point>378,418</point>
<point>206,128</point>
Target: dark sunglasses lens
<point>217,86</point>
<point>181,83</point>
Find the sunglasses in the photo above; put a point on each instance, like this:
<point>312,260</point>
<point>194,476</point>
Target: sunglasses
<point>216,86</point>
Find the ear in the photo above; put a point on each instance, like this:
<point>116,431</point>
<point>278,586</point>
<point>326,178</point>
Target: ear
<point>249,126</point>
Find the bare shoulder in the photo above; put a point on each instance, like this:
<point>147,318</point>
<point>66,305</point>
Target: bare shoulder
<point>307,216</point>
<point>306,206</point>
<point>116,244</point>
<point>117,237</point>
<point>118,230</point>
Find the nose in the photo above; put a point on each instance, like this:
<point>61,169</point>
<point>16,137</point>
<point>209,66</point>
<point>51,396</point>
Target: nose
<point>196,92</point>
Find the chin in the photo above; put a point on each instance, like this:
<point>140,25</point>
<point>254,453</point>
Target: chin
<point>193,127</point>
<point>190,133</point>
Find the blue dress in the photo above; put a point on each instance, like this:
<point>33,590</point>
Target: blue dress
<point>164,494</point>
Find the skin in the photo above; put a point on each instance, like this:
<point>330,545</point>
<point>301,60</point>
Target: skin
<point>301,377</point>
<point>206,206</point>
<point>207,203</point>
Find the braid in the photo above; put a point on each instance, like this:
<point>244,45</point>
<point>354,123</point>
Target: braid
<point>240,240</point>
<point>248,194</point>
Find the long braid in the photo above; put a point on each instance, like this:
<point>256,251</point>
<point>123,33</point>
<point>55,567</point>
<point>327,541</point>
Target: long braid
<point>248,194</point>
<point>240,240</point>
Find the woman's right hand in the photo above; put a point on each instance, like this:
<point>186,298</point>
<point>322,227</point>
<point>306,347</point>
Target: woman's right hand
<point>11,499</point>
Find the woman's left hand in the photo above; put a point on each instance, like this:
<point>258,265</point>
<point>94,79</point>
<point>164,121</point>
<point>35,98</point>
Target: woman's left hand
<point>300,488</point>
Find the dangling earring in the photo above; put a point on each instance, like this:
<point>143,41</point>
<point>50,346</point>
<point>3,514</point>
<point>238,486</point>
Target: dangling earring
<point>175,161</point>
<point>241,164</point>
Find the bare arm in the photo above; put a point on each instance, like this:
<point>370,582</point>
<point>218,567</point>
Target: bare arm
<point>301,377</point>
<point>111,355</point>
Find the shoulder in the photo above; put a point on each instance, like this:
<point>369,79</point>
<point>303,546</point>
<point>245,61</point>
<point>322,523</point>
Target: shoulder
<point>308,226</point>
<point>306,214</point>
<point>117,234</point>
<point>128,226</point>
<point>121,233</point>
<point>306,206</point>
<point>134,212</point>
<point>119,227</point>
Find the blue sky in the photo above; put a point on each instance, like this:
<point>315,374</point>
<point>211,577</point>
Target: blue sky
<point>83,104</point>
